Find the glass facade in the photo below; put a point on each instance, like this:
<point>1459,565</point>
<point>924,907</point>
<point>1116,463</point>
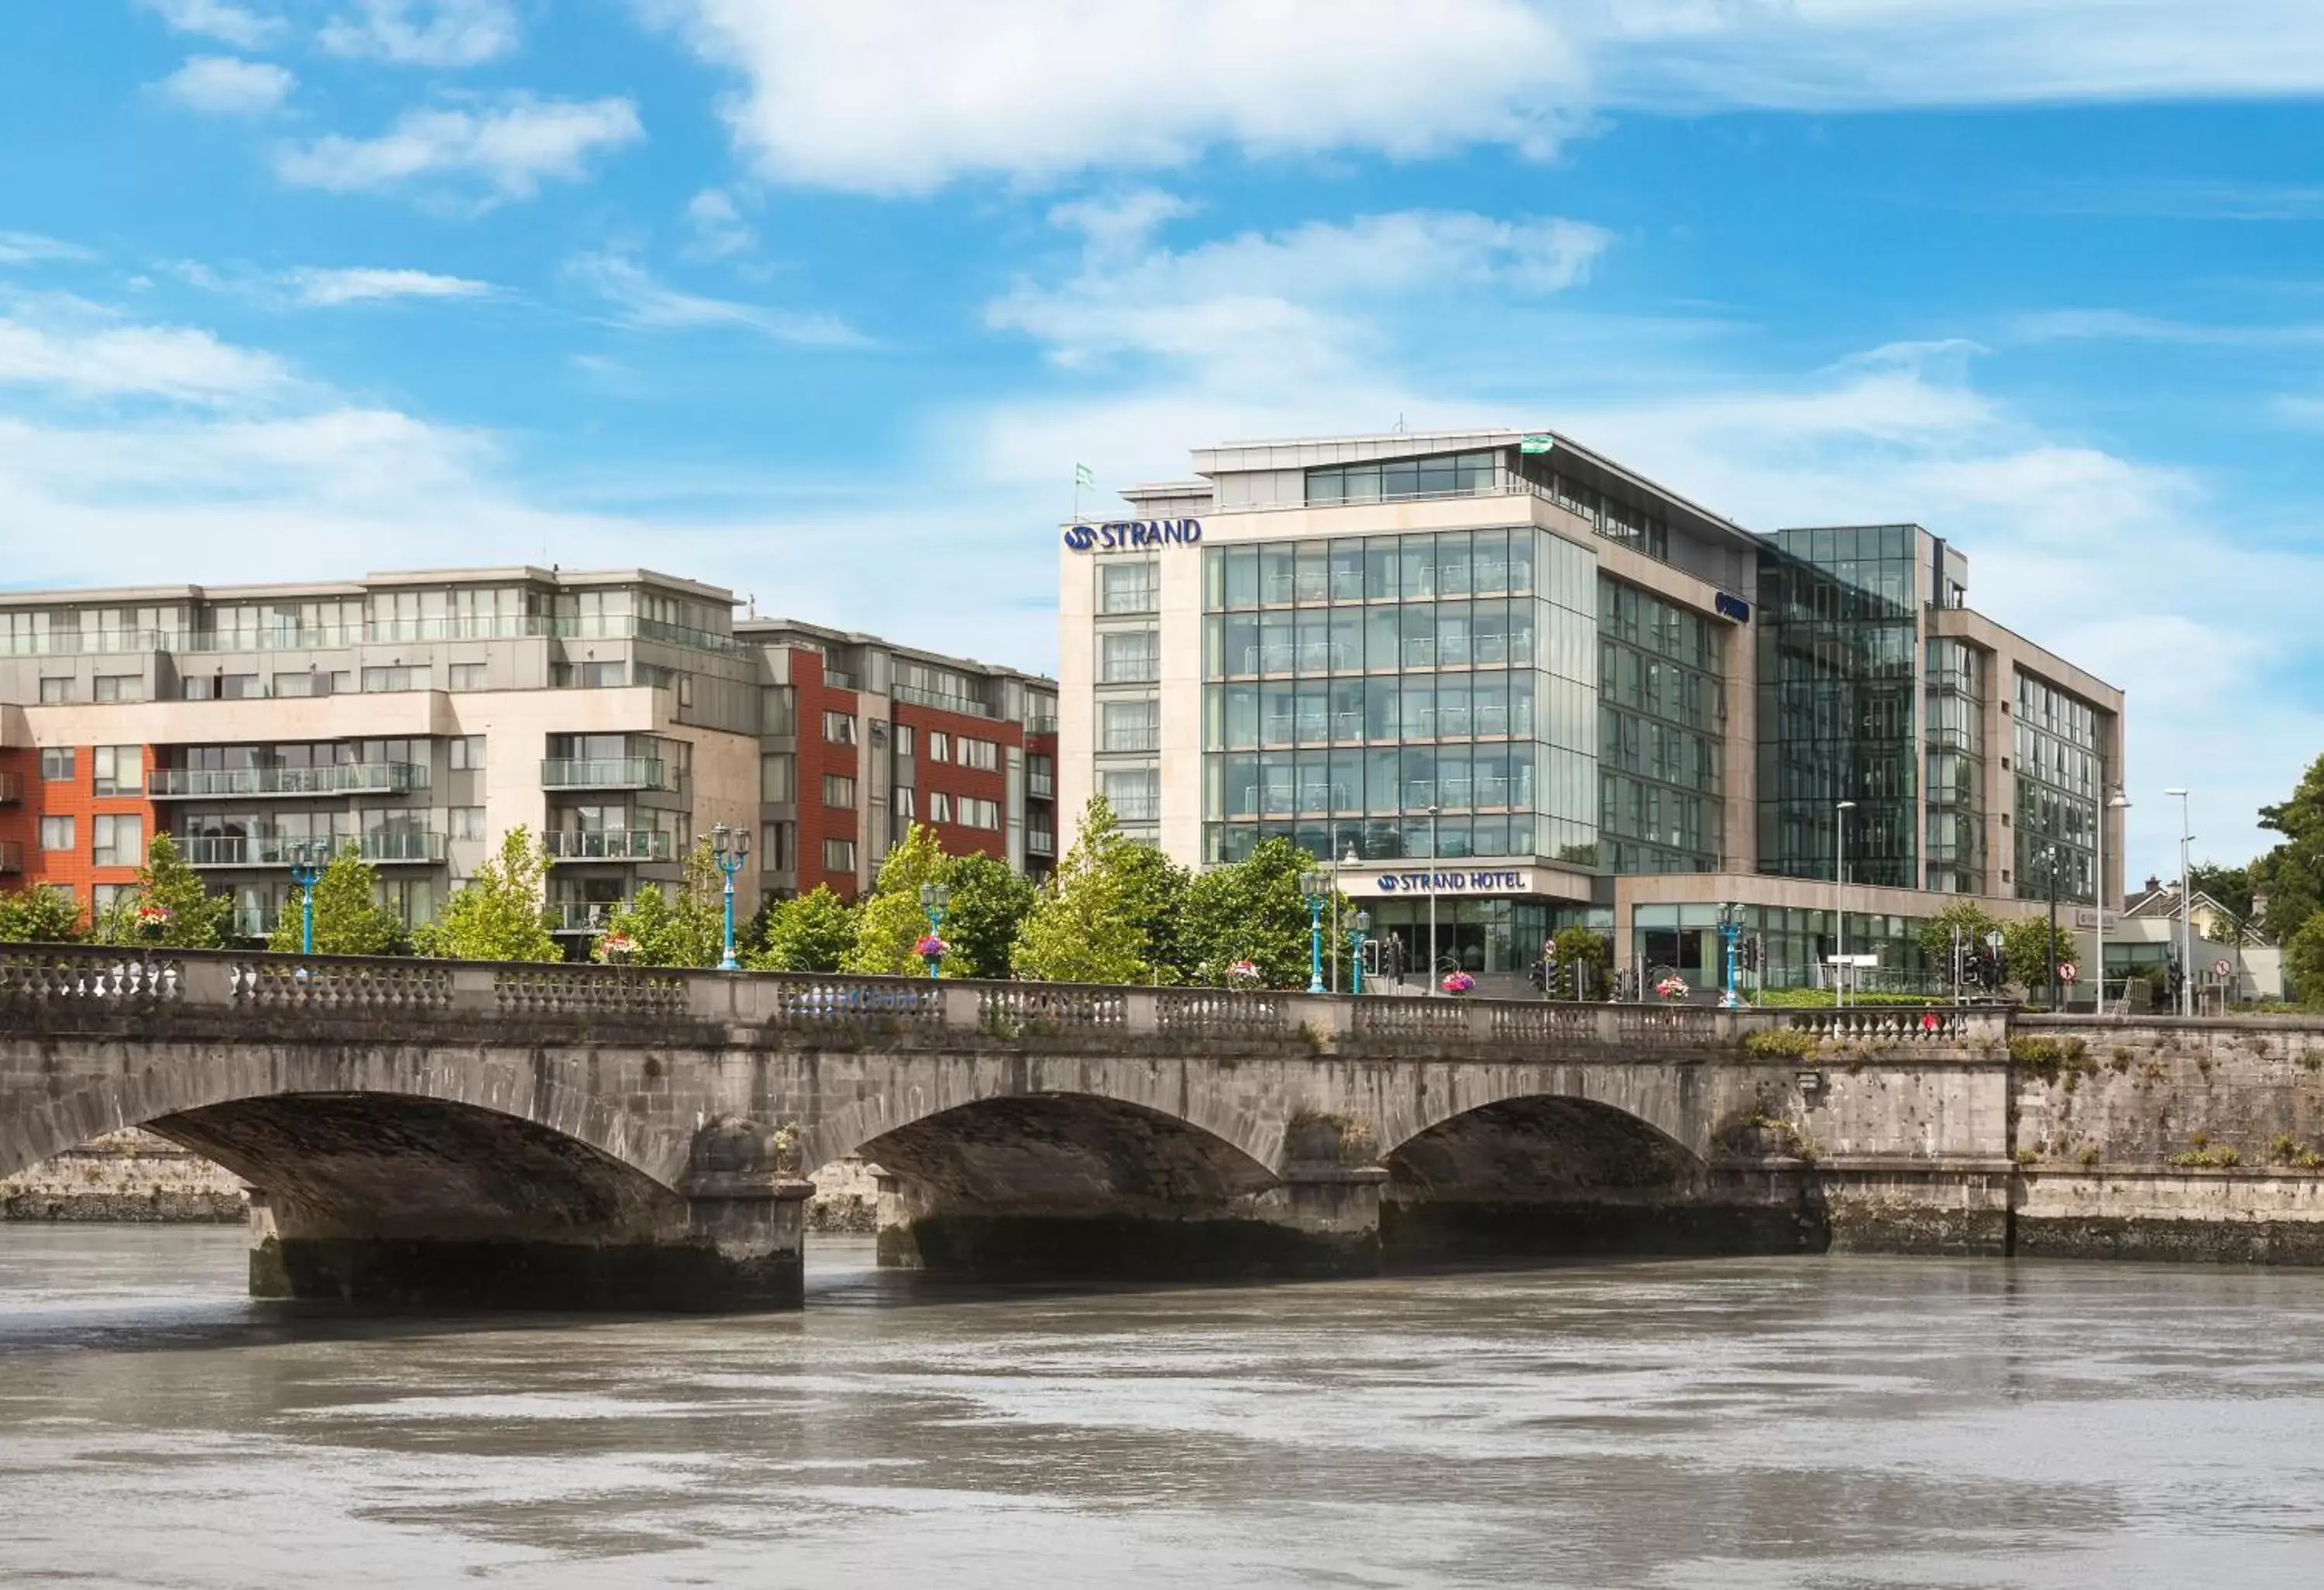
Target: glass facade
<point>1685,938</point>
<point>1838,685</point>
<point>1954,750</point>
<point>1352,684</point>
<point>1662,744</point>
<point>2058,780</point>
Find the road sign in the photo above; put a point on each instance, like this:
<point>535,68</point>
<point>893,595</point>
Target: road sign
<point>2222,968</point>
<point>2068,971</point>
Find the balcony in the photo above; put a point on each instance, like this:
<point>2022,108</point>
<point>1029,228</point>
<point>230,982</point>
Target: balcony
<point>579,916</point>
<point>1041,841</point>
<point>12,856</point>
<point>11,789</point>
<point>966,705</point>
<point>75,644</point>
<point>384,847</point>
<point>344,778</point>
<point>1041,786</point>
<point>609,843</point>
<point>625,773</point>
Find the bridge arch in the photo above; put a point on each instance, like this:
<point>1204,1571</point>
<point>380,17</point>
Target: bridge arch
<point>1679,1105</point>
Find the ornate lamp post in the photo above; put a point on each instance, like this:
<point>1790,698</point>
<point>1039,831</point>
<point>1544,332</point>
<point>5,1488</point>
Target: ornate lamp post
<point>934,898</point>
<point>1356,961</point>
<point>730,849</point>
<point>1315,884</point>
<point>306,872</point>
<point>1839,902</point>
<point>1731,930</point>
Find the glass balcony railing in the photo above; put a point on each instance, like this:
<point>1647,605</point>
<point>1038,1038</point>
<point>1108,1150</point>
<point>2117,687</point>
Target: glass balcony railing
<point>342,778</point>
<point>1041,841</point>
<point>384,845</point>
<point>1040,786</point>
<point>579,916</point>
<point>965,705</point>
<point>79,644</point>
<point>609,843</point>
<point>328,637</point>
<point>620,772</point>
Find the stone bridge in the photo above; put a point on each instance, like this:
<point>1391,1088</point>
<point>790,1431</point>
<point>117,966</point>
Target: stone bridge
<point>460,1133</point>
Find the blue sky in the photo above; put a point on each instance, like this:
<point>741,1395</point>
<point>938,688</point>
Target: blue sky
<point>823,300</point>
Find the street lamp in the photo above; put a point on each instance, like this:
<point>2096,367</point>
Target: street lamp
<point>1839,902</point>
<point>2186,914</point>
<point>730,849</point>
<point>934,898</point>
<point>2117,801</point>
<point>306,872</point>
<point>1730,930</point>
<point>1432,899</point>
<point>1315,884</point>
<point>1352,860</point>
<point>1356,961</point>
<point>2050,876</point>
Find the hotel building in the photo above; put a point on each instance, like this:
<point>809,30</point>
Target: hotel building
<point>1499,673</point>
<point>416,717</point>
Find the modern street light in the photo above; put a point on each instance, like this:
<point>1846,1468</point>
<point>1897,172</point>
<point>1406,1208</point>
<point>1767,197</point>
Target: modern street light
<point>1315,884</point>
<point>2050,876</point>
<point>1431,973</point>
<point>1352,860</point>
<point>306,872</point>
<point>2117,801</point>
<point>1356,960</point>
<point>730,849</point>
<point>2186,914</point>
<point>933,900</point>
<point>1839,902</point>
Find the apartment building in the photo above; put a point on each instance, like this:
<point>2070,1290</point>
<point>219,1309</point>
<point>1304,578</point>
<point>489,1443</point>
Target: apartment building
<point>1571,697</point>
<point>417,717</point>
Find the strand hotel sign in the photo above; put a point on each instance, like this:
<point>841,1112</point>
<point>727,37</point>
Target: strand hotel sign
<point>1133,535</point>
<point>1447,881</point>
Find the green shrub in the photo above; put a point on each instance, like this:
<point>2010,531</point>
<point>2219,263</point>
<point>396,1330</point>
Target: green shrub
<point>2052,1058</point>
<point>1781,1043</point>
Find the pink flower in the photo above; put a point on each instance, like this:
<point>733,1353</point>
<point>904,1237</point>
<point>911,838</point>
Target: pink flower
<point>1459,983</point>
<point>930,948</point>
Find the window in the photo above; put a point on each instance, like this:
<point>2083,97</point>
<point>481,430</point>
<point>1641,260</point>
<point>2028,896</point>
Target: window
<point>1129,725</point>
<point>777,844</point>
<point>245,687</point>
<point>654,674</point>
<point>939,745</point>
<point>903,739</point>
<point>980,753</point>
<point>467,753</point>
<point>1129,587</point>
<point>839,728</point>
<point>1134,793</point>
<point>602,676</point>
<point>121,687</point>
<point>399,678</point>
<point>467,676</point>
<point>978,814</point>
<point>466,822</point>
<point>839,857</point>
<point>1129,657</point>
<point>839,790</point>
<point>939,807</point>
<point>55,690</point>
<point>118,770</point>
<point>904,800</point>
<point>119,841</point>
<point>287,684</point>
<point>779,711</point>
<point>56,833</point>
<point>104,897</point>
<point>56,762</point>
<point>779,777</point>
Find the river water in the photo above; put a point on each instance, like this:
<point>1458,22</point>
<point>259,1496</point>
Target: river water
<point>1836,1423</point>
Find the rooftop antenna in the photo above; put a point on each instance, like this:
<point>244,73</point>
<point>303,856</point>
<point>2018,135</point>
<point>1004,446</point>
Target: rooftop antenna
<point>1399,424</point>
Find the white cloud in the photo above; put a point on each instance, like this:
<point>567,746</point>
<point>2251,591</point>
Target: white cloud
<point>64,346</point>
<point>225,86</point>
<point>716,226</point>
<point>30,248</point>
<point>899,96</point>
<point>237,25</point>
<point>364,284</point>
<point>424,32</point>
<point>645,304</point>
<point>507,153</point>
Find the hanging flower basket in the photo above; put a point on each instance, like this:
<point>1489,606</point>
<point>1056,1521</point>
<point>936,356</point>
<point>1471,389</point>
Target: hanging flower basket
<point>1243,976</point>
<point>153,920</point>
<point>1671,988</point>
<point>1458,983</point>
<point>616,946</point>
<point>931,948</point>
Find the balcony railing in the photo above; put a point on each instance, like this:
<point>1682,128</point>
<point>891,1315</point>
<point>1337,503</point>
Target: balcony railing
<point>12,856</point>
<point>75,644</point>
<point>11,789</point>
<point>1041,786</point>
<point>386,847</point>
<point>341,778</point>
<point>579,916</point>
<point>609,843</point>
<point>943,703</point>
<point>619,772</point>
<point>1041,841</point>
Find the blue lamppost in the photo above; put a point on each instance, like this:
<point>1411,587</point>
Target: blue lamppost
<point>306,872</point>
<point>730,849</point>
<point>1316,885</point>
<point>1731,931</point>
<point>934,898</point>
<point>1356,960</point>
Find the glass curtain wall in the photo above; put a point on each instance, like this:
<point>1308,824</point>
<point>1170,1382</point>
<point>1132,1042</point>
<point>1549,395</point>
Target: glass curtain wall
<point>1955,744</point>
<point>1352,684</point>
<point>2057,769</point>
<point>1661,747</point>
<point>1839,687</point>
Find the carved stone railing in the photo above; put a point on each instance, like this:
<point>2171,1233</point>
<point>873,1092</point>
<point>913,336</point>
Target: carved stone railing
<point>793,999</point>
<point>1220,1012</point>
<point>1010,1009</point>
<point>1444,1021</point>
<point>1886,1025</point>
<point>43,973</point>
<point>385,985</point>
<point>1543,1023</point>
<point>593,990</point>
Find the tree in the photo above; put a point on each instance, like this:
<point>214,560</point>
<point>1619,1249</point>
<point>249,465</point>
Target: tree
<point>2230,886</point>
<point>39,914</point>
<point>2292,876</point>
<point>1973,920</point>
<point>169,906</point>
<point>891,920</point>
<point>808,934</point>
<point>500,913</point>
<point>1154,895</point>
<point>2030,954</point>
<point>1253,909</point>
<point>989,906</point>
<point>349,920</point>
<point>681,927</point>
<point>1084,929</point>
<point>2303,963</point>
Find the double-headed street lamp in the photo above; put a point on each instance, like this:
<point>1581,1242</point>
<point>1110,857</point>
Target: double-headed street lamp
<point>934,898</point>
<point>2186,914</point>
<point>306,871</point>
<point>1315,884</point>
<point>1840,900</point>
<point>730,849</point>
<point>1731,930</point>
<point>1356,955</point>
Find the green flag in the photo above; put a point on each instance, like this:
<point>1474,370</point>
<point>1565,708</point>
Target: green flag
<point>1084,477</point>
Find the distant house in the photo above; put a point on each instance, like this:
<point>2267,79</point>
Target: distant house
<point>2144,945</point>
<point>2213,922</point>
